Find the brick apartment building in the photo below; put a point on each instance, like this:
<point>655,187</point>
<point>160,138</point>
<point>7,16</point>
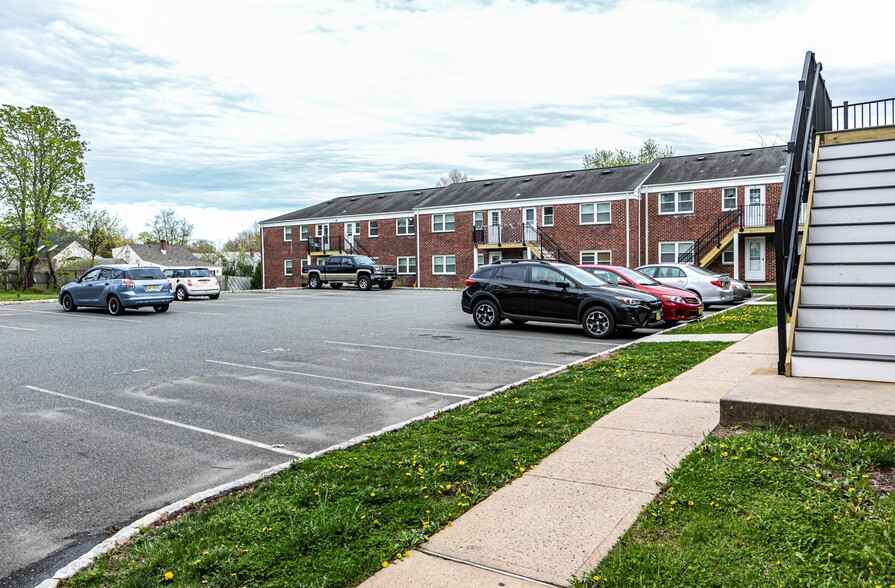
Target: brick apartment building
<point>715,209</point>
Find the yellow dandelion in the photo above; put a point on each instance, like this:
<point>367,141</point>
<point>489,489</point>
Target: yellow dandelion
<point>169,575</point>
<point>461,463</point>
<point>385,564</point>
<point>372,494</point>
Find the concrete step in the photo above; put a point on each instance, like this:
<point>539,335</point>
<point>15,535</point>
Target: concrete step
<point>855,318</point>
<point>816,404</point>
<point>879,213</point>
<point>842,366</point>
<point>851,181</point>
<point>860,342</point>
<point>849,273</point>
<point>851,233</point>
<point>863,163</point>
<point>850,295</point>
<point>828,152</point>
<point>854,197</point>
<point>850,252</point>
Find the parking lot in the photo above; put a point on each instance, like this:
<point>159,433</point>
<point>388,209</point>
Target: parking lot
<point>107,418</point>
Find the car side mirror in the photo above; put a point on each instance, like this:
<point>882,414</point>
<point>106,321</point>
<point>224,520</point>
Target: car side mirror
<point>563,285</point>
<point>624,283</point>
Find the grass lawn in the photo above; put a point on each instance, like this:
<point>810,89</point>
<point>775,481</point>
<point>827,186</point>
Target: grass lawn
<point>336,519</point>
<point>771,295</point>
<point>13,296</point>
<point>742,319</point>
<point>766,508</point>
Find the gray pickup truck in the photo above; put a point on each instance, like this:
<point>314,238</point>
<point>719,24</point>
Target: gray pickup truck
<point>350,269</point>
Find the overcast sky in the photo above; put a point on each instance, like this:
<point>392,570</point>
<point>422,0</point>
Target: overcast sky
<point>233,112</point>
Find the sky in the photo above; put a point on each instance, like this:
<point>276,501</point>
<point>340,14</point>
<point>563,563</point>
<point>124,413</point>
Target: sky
<point>232,112</point>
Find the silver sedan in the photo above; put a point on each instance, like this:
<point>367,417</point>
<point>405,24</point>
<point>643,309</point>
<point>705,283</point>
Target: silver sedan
<point>712,288</point>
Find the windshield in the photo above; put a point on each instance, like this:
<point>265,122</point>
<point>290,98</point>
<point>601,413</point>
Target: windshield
<point>200,273</point>
<point>636,277</point>
<point>701,271</point>
<point>583,277</point>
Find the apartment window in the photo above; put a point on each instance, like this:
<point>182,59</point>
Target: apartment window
<point>405,226</point>
<point>287,233</point>
<point>287,269</point>
<point>676,203</point>
<point>303,232</point>
<point>547,216</point>
<point>596,214</point>
<point>675,251</point>
<point>478,219</point>
<point>480,259</point>
<point>727,256</point>
<point>406,265</point>
<point>442,223</point>
<point>373,229</point>
<point>444,264</point>
<point>596,257</point>
<point>729,199</point>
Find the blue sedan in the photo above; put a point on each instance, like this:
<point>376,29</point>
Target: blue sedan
<point>117,287</point>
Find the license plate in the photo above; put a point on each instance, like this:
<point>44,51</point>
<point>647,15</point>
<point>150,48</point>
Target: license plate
<point>699,312</point>
<point>152,288</point>
<point>658,315</point>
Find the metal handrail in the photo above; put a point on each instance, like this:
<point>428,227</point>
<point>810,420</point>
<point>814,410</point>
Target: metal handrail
<point>713,237</point>
<point>519,233</point>
<point>874,113</point>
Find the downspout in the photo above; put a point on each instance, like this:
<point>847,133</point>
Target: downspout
<point>627,231</point>
<point>418,230</point>
<point>642,188</point>
<point>263,269</point>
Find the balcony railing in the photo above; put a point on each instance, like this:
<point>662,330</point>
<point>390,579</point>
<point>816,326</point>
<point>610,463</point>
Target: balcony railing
<point>521,235</point>
<point>337,244</point>
<point>876,113</point>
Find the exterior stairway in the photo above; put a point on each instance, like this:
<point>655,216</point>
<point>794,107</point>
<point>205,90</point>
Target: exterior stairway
<point>845,316</point>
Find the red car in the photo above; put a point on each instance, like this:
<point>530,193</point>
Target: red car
<point>677,304</point>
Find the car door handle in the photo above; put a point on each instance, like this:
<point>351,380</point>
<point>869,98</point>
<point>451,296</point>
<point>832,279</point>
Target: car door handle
<point>534,291</point>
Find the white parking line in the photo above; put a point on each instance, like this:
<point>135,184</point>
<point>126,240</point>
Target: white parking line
<point>81,315</point>
<point>196,312</point>
<point>18,328</point>
<point>445,353</point>
<point>404,388</point>
<point>540,338</point>
<point>170,422</point>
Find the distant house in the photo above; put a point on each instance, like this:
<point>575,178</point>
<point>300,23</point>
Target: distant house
<point>232,257</point>
<point>162,255</point>
<point>70,251</point>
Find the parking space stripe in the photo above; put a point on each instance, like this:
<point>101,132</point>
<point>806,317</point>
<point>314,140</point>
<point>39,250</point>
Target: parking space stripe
<point>17,328</point>
<point>444,353</point>
<point>170,422</point>
<point>197,312</point>
<point>404,388</point>
<point>490,334</point>
<point>80,315</point>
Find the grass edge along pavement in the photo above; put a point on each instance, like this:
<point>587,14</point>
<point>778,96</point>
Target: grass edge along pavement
<point>337,518</point>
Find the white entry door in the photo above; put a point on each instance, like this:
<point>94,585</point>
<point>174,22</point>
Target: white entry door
<point>530,230</point>
<point>494,256</point>
<point>755,259</point>
<point>352,230</point>
<point>494,226</point>
<point>323,236</point>
<point>755,207</point>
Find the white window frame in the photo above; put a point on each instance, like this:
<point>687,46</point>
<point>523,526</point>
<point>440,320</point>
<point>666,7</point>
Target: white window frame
<point>725,194</point>
<point>545,216</point>
<point>303,232</point>
<point>409,263</point>
<point>444,265</point>
<point>478,219</point>
<point>727,256</point>
<point>678,209</point>
<point>679,248</point>
<point>441,221</point>
<point>409,228</point>
<point>596,212</point>
<point>372,229</point>
<point>592,257</point>
<point>287,234</point>
<point>287,267</point>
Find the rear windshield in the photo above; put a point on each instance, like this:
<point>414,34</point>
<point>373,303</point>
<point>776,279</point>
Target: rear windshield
<point>145,273</point>
<point>199,273</point>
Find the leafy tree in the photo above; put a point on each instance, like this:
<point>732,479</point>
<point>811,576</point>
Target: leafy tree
<point>42,180</point>
<point>168,226</point>
<point>606,158</point>
<point>205,250</point>
<point>246,239</point>
<point>454,176</point>
<point>98,231</point>
<point>256,278</point>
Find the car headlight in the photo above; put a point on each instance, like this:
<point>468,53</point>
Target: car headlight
<point>628,301</point>
<point>672,298</point>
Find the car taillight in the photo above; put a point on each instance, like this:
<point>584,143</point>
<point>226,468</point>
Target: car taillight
<point>469,282</point>
<point>717,283</point>
<point>127,283</point>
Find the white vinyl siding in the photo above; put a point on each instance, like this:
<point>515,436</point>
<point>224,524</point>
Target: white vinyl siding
<point>676,203</point>
<point>443,265</point>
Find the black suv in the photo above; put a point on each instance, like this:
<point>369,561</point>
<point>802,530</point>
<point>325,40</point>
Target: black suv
<point>532,290</point>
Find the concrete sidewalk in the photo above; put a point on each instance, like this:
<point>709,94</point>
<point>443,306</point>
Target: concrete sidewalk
<point>562,517</point>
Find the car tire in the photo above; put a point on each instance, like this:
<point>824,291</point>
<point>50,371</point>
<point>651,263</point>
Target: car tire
<point>214,296</point>
<point>113,304</point>
<point>364,283</point>
<point>335,286</point>
<point>314,282</point>
<point>160,308</point>
<point>68,303</point>
<point>181,294</point>
<point>385,285</point>
<point>486,315</point>
<point>598,322</point>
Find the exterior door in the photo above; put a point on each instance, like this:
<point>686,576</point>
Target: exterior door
<point>755,207</point>
<point>755,259</point>
<point>494,226</point>
<point>352,230</point>
<point>530,221</point>
<point>494,256</point>
<point>323,236</point>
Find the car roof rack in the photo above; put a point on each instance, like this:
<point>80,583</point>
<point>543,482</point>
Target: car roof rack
<point>543,261</point>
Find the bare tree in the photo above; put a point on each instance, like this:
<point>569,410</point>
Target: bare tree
<point>168,226</point>
<point>99,231</point>
<point>454,176</point>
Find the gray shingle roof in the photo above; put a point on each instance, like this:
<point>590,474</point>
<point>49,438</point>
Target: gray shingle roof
<point>177,255</point>
<point>376,203</point>
<point>725,164</point>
